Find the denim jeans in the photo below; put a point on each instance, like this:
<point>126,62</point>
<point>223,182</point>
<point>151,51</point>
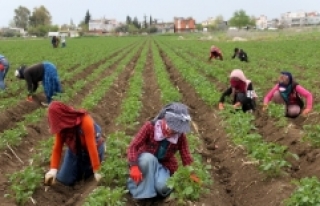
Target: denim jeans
<point>73,170</point>
<point>4,73</point>
<point>154,178</point>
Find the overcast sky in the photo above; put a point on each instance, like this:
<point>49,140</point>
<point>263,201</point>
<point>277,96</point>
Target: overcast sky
<point>164,10</point>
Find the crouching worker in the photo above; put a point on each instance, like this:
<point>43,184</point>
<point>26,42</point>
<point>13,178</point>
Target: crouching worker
<point>85,145</point>
<point>45,72</point>
<point>242,55</point>
<point>242,92</point>
<point>289,92</point>
<point>151,152</point>
<point>4,68</point>
<point>215,53</point>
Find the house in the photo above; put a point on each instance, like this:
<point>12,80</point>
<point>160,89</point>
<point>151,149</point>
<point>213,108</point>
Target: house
<point>164,27</point>
<point>262,22</point>
<point>19,31</point>
<point>300,18</point>
<point>274,23</point>
<point>103,25</point>
<point>209,21</point>
<point>184,24</point>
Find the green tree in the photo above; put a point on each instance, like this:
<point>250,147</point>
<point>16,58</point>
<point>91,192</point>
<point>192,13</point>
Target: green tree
<point>150,21</point>
<point>128,20</point>
<point>40,17</point>
<point>136,23</point>
<point>240,19</point>
<point>199,27</point>
<point>87,17</point>
<point>21,17</point>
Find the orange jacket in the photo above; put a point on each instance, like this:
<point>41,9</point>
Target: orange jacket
<point>88,141</point>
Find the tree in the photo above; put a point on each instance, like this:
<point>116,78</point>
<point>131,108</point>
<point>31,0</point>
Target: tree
<point>240,19</point>
<point>128,20</point>
<point>87,17</point>
<point>21,17</point>
<point>150,21</point>
<point>145,22</point>
<point>40,17</point>
<point>136,23</point>
<point>199,27</point>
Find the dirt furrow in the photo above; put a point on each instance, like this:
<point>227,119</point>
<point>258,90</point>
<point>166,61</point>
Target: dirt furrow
<point>235,184</point>
<point>37,132</point>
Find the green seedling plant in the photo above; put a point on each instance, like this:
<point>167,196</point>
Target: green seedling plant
<point>106,196</point>
<point>278,112</point>
<point>24,183</point>
<point>312,135</point>
<point>306,194</point>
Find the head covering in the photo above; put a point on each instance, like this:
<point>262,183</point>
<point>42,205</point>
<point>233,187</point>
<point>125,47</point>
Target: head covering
<point>286,89</point>
<point>240,86</point>
<point>177,117</point>
<point>20,72</point>
<point>289,75</point>
<point>61,116</point>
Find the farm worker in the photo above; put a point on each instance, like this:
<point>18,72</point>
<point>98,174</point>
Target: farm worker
<point>215,53</point>
<point>63,43</point>
<point>54,41</point>
<point>242,92</point>
<point>45,72</point>
<point>4,68</point>
<point>242,55</point>
<point>151,154</point>
<point>289,92</point>
<point>85,145</point>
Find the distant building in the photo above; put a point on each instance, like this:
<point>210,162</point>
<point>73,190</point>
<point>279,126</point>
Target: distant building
<point>300,18</point>
<point>184,24</point>
<point>103,25</point>
<point>262,22</point>
<point>164,27</point>
<point>209,21</point>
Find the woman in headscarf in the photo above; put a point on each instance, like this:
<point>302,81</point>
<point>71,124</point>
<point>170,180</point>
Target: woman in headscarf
<point>215,53</point>
<point>45,72</point>
<point>289,92</point>
<point>242,92</point>
<point>84,140</point>
<point>151,154</point>
<point>4,68</point>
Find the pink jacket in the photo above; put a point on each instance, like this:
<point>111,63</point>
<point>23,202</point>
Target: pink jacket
<point>299,89</point>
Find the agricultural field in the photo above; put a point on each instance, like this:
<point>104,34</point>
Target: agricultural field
<point>262,158</point>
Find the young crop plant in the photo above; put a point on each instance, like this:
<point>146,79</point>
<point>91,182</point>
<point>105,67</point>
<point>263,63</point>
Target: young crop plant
<point>306,194</point>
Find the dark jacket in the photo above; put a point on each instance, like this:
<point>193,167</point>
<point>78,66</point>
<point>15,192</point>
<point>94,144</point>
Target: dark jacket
<point>247,100</point>
<point>242,55</point>
<point>33,75</point>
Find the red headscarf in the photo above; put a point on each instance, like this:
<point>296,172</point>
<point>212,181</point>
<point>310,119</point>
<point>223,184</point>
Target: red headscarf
<point>61,116</point>
<point>240,86</point>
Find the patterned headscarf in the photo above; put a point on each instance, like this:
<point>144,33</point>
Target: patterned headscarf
<point>177,117</point>
<point>61,116</point>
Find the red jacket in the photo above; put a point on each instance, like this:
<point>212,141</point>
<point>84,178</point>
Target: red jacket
<point>144,142</point>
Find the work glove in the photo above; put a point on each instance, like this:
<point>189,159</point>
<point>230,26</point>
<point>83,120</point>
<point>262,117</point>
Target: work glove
<point>29,98</point>
<point>221,107</point>
<point>50,177</point>
<point>135,174</point>
<point>44,104</point>
<point>97,176</point>
<point>305,112</point>
<point>194,178</point>
<point>264,107</point>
